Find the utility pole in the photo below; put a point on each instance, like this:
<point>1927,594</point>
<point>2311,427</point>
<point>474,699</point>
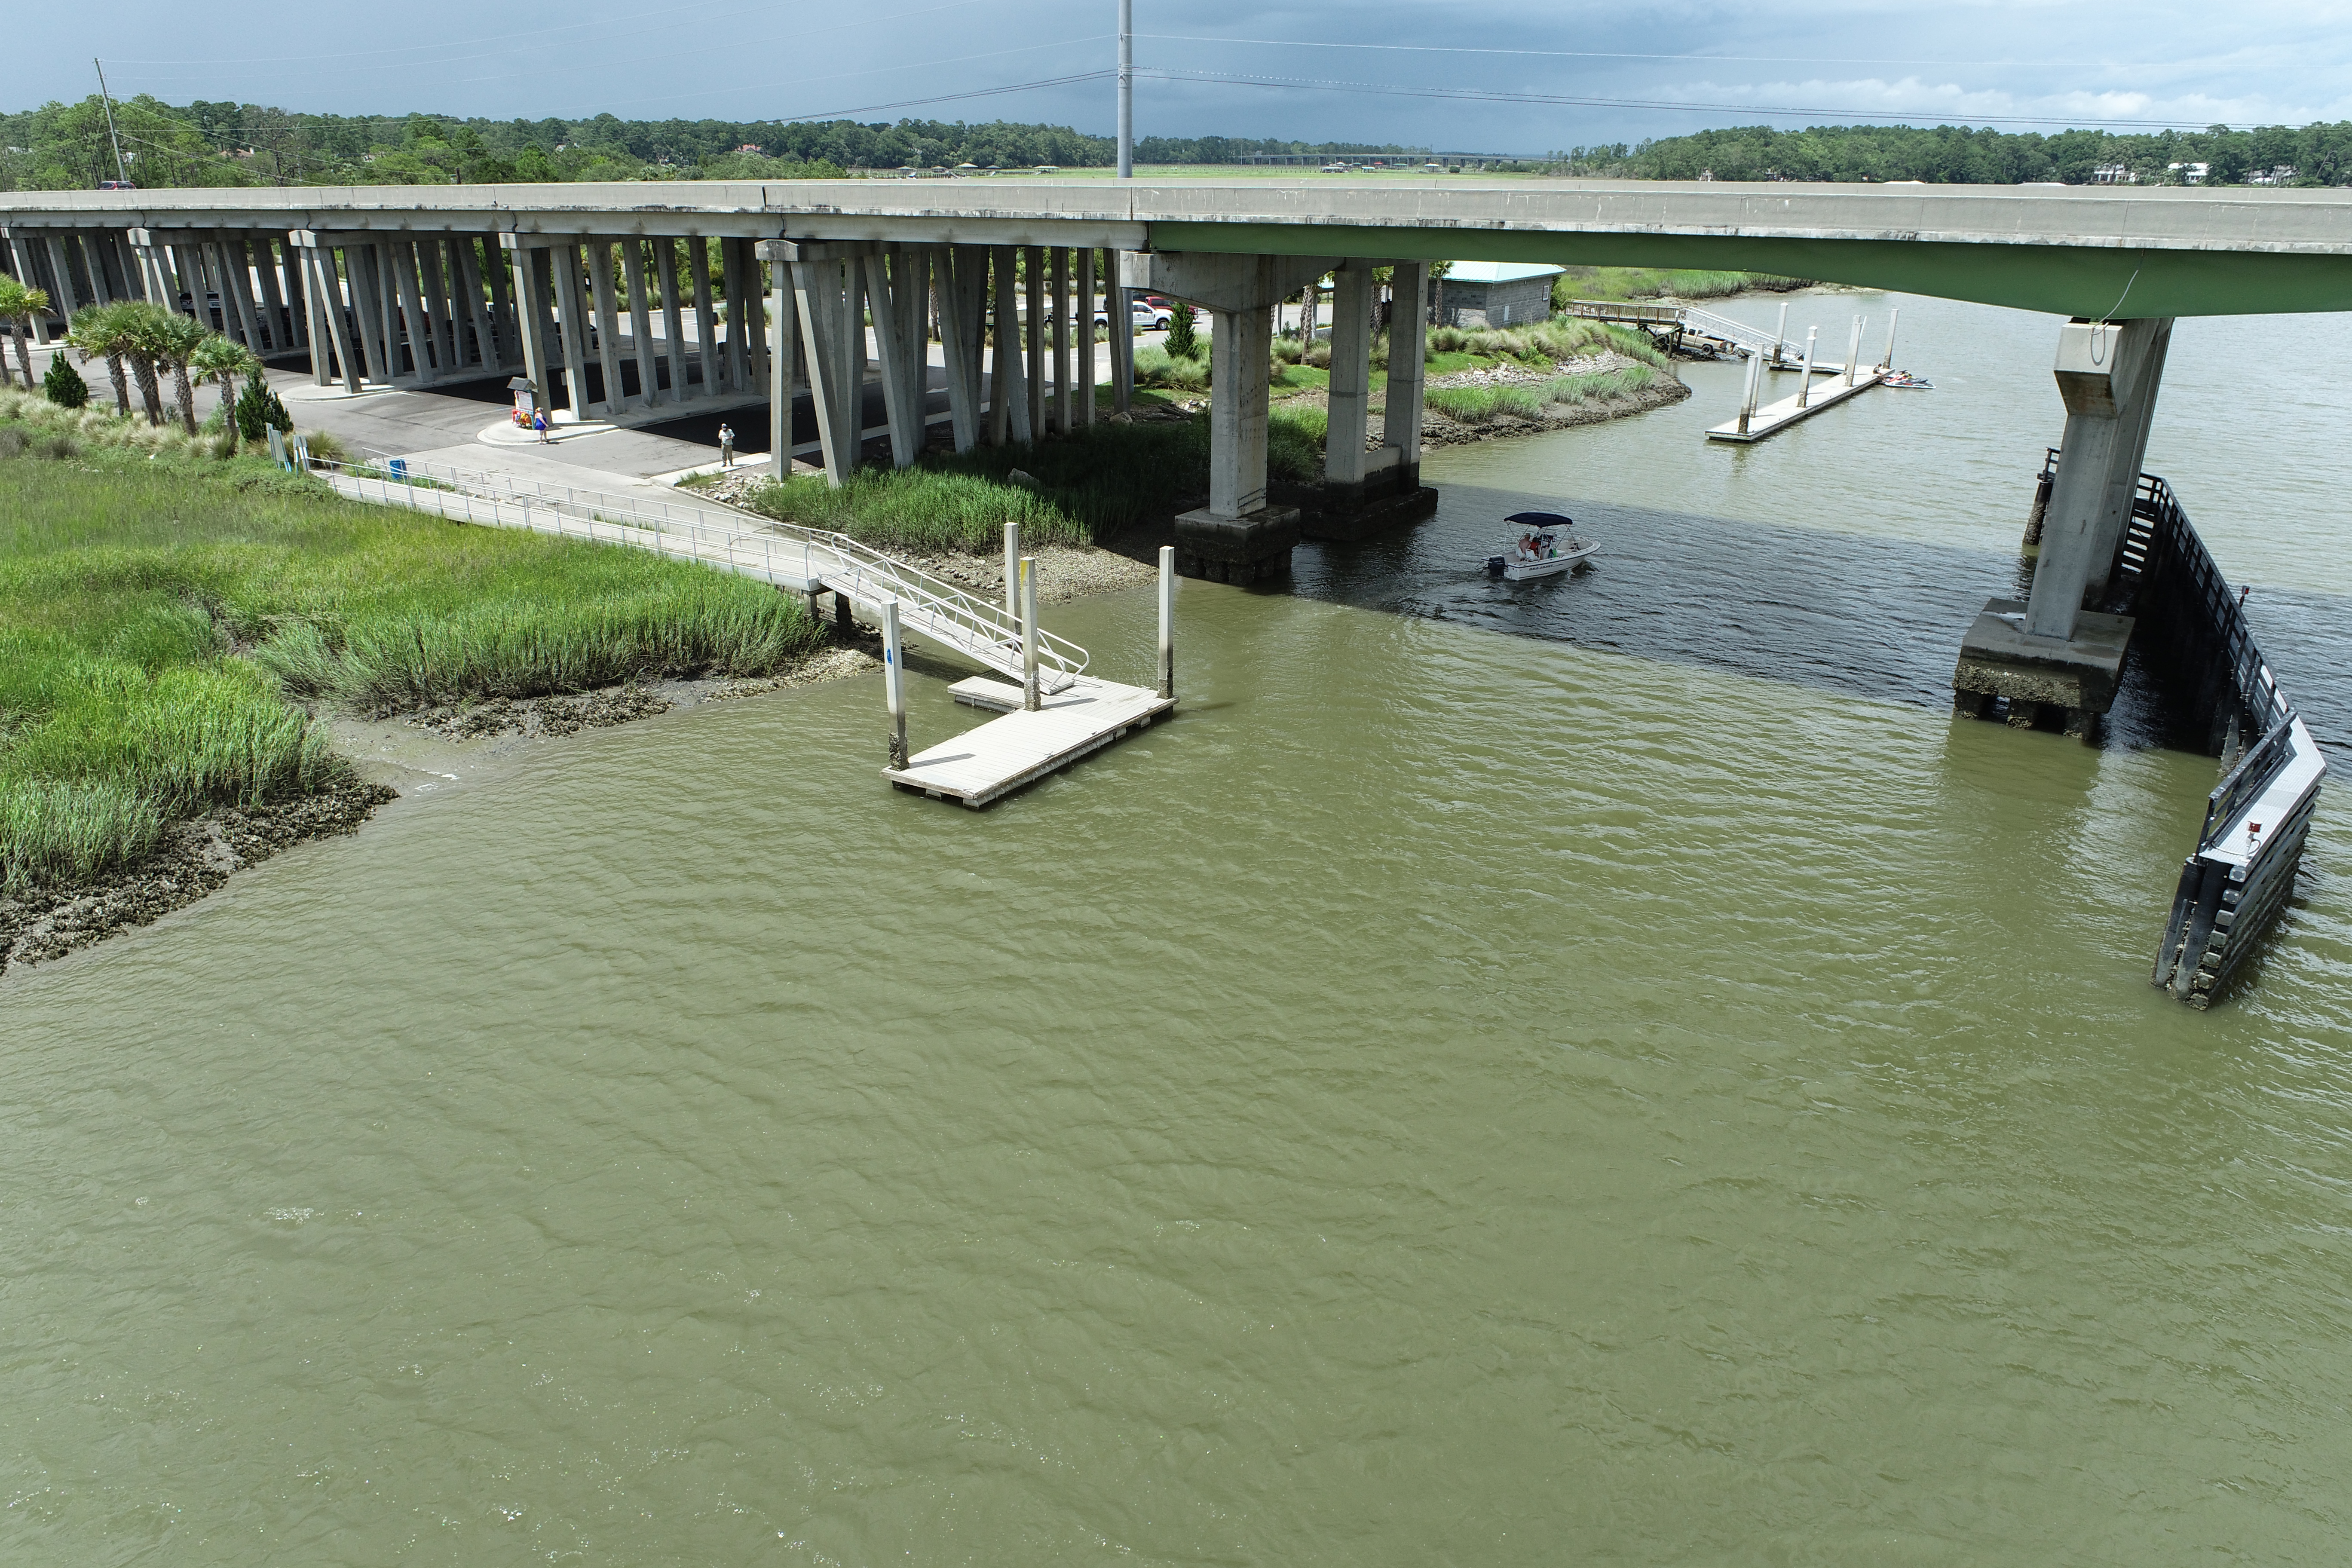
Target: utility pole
<point>1127,90</point>
<point>122,169</point>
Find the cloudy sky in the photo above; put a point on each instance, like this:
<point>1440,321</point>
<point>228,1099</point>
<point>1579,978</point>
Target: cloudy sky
<point>1520,75</point>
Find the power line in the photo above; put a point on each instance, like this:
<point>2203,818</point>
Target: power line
<point>1697,60</point>
<point>1480,96</point>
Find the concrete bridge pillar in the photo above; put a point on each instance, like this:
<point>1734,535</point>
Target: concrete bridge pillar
<point>959,280</point>
<point>23,267</point>
<point>2108,374</point>
<point>1238,537</point>
<point>828,278</point>
<point>2052,654</point>
<point>1364,492</point>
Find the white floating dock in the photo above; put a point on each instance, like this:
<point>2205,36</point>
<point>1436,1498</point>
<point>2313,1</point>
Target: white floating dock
<point>1775,417</point>
<point>992,762</point>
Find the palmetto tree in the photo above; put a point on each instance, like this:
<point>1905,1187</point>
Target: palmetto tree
<point>102,332</point>
<point>19,303</point>
<point>224,362</point>
<point>171,339</point>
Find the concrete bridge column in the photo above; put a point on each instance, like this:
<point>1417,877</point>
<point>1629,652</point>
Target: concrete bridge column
<point>575,330</point>
<point>1118,306</point>
<point>63,295</point>
<point>784,357</point>
<point>1362,492</point>
<point>534,290</point>
<point>22,263</point>
<point>291,279</point>
<point>826,275</point>
<point>2051,653</point>
<point>1408,379</point>
<point>414,320</point>
<point>1033,271</point>
<point>1238,537</point>
<point>605,303</point>
<point>441,323</point>
<point>1065,366</point>
<point>237,268</point>
<point>698,262</point>
<point>506,321</point>
<point>960,279</point>
<point>1083,325</point>
<point>1009,416</point>
<point>276,319</point>
<point>331,342</point>
<point>477,305</point>
<point>673,319</point>
<point>641,321</point>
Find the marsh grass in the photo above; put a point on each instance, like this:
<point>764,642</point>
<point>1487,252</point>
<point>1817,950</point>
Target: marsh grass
<point>1480,405</point>
<point>1090,486</point>
<point>156,613</point>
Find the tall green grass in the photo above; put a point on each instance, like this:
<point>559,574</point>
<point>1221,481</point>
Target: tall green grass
<point>157,613</point>
<point>1649,282</point>
<point>1479,405</point>
<point>1092,484</point>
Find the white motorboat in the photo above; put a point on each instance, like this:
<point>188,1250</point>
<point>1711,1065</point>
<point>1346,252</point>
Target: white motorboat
<point>1547,546</point>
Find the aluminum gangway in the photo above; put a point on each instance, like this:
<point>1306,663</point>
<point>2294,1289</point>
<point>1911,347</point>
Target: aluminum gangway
<point>791,556</point>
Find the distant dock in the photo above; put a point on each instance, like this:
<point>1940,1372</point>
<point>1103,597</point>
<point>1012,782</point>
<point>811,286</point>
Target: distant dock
<point>1775,417</point>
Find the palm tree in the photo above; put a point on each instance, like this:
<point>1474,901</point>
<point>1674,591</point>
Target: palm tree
<point>223,361</point>
<point>99,331</point>
<point>172,339</point>
<point>19,303</point>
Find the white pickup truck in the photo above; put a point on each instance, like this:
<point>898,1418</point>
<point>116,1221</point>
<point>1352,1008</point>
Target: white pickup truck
<point>1147,316</point>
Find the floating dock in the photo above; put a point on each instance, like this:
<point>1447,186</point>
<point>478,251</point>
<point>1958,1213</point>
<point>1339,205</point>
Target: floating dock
<point>1000,756</point>
<point>1775,417</point>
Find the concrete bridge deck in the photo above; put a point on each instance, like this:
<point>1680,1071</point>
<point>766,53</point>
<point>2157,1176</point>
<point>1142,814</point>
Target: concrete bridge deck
<point>2071,250</point>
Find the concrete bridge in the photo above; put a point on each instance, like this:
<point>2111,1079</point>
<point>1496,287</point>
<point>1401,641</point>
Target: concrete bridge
<point>409,285</point>
<point>912,255</point>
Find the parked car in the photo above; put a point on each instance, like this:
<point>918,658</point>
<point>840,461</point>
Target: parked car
<point>1147,317</point>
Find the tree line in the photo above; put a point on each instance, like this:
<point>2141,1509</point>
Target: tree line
<point>62,146</point>
<point>2316,155</point>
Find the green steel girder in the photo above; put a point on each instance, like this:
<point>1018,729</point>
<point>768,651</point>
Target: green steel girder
<point>2099,282</point>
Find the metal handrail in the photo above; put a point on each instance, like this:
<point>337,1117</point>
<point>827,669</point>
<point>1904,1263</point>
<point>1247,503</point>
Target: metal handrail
<point>980,628</point>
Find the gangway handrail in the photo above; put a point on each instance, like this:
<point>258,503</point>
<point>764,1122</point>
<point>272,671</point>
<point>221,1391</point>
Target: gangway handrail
<point>980,628</point>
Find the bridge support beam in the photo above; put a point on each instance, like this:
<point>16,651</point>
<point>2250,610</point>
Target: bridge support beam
<point>1367,493</point>
<point>1238,537</point>
<point>2053,654</point>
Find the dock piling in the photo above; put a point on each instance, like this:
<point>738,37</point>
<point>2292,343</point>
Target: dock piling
<point>1887,362</point>
<point>1853,352</point>
<point>1167,620</point>
<point>894,681</point>
<point>1029,633</point>
<point>1780,337</point>
<point>1013,570</point>
<point>1747,397</point>
<point>1805,387</point>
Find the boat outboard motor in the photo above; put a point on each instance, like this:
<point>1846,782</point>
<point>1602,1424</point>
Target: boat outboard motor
<point>1494,566</point>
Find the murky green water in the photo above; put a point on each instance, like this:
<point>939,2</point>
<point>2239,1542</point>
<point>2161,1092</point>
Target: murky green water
<point>1460,1093</point>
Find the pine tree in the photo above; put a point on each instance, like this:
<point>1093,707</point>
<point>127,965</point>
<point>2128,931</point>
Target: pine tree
<point>64,388</point>
<point>260,409</point>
